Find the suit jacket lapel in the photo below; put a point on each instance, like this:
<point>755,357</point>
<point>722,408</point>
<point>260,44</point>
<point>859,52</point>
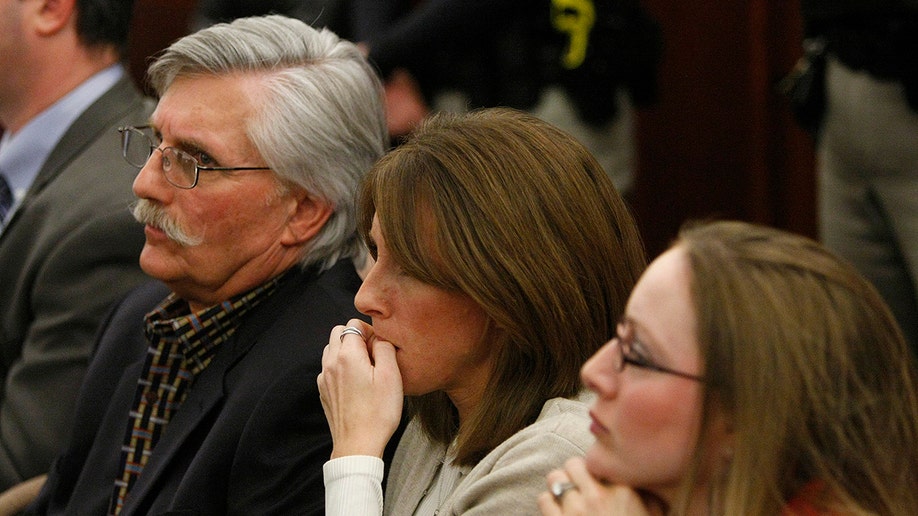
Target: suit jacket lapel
<point>207,391</point>
<point>92,123</point>
<point>203,398</point>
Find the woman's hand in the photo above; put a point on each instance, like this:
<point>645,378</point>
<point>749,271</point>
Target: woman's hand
<point>589,496</point>
<point>361,391</point>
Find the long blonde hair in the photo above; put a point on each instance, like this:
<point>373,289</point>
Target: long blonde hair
<point>810,368</point>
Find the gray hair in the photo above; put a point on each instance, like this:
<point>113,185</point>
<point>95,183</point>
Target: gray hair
<point>321,121</point>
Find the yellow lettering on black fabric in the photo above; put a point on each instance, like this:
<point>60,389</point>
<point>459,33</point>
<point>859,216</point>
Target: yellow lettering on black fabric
<point>576,19</point>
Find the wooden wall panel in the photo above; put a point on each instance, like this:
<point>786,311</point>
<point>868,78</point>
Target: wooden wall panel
<point>156,24</point>
<point>720,143</point>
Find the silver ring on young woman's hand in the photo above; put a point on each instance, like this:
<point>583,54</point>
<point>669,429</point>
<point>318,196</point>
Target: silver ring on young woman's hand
<point>559,488</point>
<point>350,330</point>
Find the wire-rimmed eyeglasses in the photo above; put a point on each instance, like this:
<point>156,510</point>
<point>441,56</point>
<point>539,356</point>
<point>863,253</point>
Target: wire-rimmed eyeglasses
<point>179,168</point>
<point>629,352</point>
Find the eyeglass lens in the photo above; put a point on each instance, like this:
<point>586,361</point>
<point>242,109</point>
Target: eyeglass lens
<point>136,146</point>
<point>180,168</point>
<point>622,339</point>
<point>625,339</point>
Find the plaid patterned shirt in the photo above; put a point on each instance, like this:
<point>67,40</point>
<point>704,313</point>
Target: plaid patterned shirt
<point>182,344</point>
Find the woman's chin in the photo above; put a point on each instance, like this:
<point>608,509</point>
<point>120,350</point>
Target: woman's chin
<point>598,461</point>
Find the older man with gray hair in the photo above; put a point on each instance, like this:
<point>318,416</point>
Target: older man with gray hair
<point>202,396</point>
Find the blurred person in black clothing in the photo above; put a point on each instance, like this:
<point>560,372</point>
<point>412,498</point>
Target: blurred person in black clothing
<point>581,65</point>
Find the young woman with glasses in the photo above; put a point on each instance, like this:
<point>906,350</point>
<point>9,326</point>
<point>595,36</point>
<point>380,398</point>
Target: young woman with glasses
<point>753,373</point>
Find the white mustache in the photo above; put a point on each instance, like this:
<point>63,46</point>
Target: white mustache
<point>150,214</point>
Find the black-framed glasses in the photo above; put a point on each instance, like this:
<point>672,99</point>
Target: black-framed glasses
<point>630,351</point>
<point>179,168</point>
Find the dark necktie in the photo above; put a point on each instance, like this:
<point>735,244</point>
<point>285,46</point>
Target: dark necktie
<point>6,199</point>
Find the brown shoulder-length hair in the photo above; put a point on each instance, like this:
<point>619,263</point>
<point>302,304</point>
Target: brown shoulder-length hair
<point>519,216</point>
<point>810,368</point>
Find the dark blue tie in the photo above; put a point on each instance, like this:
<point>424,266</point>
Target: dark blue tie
<point>6,199</point>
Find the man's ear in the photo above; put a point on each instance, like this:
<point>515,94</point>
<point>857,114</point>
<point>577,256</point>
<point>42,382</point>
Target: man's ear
<point>51,16</point>
<point>307,217</point>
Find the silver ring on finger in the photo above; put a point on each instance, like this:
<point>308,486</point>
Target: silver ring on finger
<point>350,330</point>
<point>558,489</point>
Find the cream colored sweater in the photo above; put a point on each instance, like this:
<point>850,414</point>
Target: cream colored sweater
<point>507,481</point>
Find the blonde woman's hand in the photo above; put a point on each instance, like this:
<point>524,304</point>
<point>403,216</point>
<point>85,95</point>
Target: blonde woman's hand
<point>361,391</point>
<point>589,496</point>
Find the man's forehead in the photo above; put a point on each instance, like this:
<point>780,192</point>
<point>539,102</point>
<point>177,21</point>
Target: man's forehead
<point>188,113</point>
<point>208,100</point>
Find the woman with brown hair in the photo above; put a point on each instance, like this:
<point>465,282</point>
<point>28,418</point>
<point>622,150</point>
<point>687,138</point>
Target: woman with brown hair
<point>504,256</point>
<point>770,379</point>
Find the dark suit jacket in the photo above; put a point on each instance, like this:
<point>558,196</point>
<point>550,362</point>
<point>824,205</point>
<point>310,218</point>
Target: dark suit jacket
<point>251,436</point>
<point>68,253</point>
